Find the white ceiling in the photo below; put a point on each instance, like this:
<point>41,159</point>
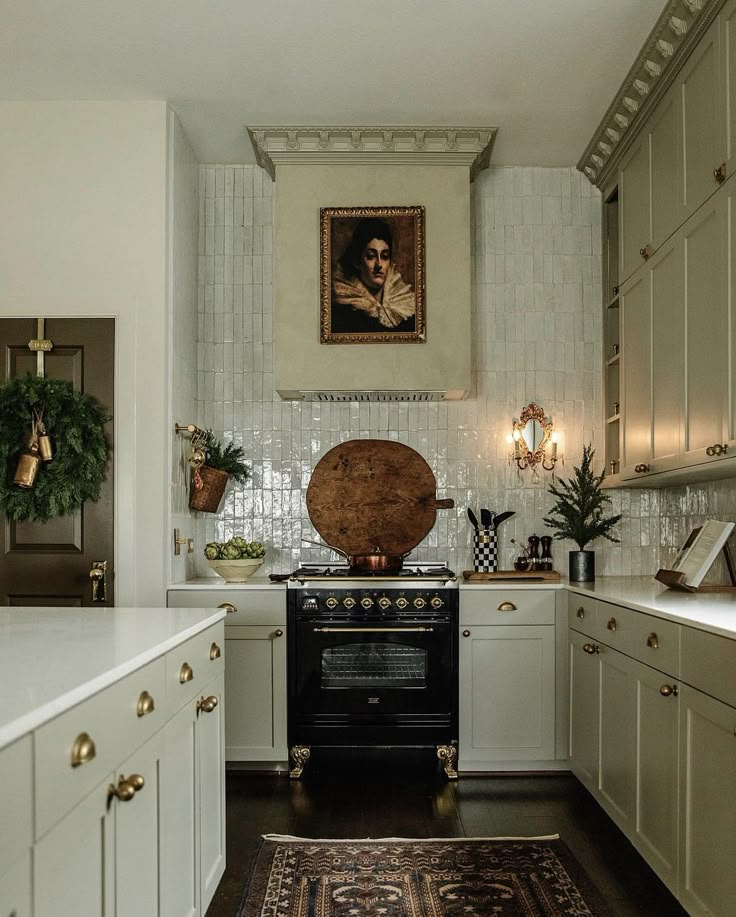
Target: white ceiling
<point>543,72</point>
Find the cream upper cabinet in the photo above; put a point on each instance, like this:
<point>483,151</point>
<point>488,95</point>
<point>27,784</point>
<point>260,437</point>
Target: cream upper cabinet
<point>664,144</point>
<point>728,245</point>
<point>703,137</point>
<point>636,361</point>
<point>634,206</point>
<point>728,69</point>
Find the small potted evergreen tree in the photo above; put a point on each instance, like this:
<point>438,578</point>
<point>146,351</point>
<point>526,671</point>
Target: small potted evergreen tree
<point>578,515</point>
<point>209,479</point>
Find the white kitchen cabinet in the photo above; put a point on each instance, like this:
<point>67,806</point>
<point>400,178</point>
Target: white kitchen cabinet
<point>15,888</point>
<point>636,361</point>
<point>617,713</point>
<point>634,190</point>
<point>663,129</point>
<point>728,70</point>
<point>668,353</point>
<point>210,747</point>
<point>584,710</point>
<point>707,804</point>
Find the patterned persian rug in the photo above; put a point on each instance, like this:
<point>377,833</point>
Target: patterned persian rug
<point>396,877</point>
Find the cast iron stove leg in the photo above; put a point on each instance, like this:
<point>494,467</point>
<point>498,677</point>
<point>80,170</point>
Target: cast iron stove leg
<point>299,755</point>
<point>448,756</point>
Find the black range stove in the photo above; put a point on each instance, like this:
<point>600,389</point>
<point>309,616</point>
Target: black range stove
<point>373,660</point>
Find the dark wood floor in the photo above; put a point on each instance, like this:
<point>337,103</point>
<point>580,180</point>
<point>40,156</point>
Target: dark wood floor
<point>409,797</point>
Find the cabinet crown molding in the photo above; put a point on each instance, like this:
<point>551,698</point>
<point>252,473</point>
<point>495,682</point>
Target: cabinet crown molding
<point>678,29</point>
<point>471,146</point>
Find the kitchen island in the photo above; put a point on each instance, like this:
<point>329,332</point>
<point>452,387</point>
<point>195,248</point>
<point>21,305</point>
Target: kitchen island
<point>111,736</point>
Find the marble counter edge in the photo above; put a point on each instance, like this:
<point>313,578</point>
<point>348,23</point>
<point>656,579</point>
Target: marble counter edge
<point>49,710</point>
<point>207,583</point>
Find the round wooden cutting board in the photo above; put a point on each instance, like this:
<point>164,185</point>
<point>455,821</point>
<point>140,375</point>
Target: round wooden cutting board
<point>373,496</point>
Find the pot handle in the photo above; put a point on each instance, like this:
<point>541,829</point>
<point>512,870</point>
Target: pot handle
<point>323,544</point>
<point>447,503</point>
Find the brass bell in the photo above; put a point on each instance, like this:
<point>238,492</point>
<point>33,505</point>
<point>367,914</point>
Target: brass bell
<point>27,470</point>
<point>45,447</point>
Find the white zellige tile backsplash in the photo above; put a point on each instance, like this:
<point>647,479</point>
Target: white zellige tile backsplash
<point>536,337</point>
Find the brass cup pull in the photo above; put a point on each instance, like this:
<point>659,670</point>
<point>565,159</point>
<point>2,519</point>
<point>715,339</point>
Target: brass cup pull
<point>611,624</point>
<point>653,641</point>
<point>206,704</point>
<point>228,606</point>
<point>466,633</point>
<point>592,649</point>
<point>215,652</point>
<point>83,750</point>
<point>145,704</point>
<point>668,690</point>
<point>720,173</point>
<point>581,612</point>
<point>278,633</point>
<point>507,606</point>
<point>186,673</point>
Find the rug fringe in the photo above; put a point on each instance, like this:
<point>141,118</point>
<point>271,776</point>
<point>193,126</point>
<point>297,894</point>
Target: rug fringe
<point>290,838</point>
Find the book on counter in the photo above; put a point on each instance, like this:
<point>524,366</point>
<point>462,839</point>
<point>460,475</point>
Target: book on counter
<point>700,550</point>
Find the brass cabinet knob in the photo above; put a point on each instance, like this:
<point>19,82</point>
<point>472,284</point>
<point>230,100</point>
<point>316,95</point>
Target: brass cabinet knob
<point>466,633</point>
<point>186,673</point>
<point>646,251</point>
<point>136,781</point>
<point>278,633</point>
<point>145,704</point>
<point>642,468</point>
<point>83,750</point>
<point>717,449</point>
<point>124,791</point>
<point>668,690</point>
<point>720,173</point>
<point>581,612</point>
<point>228,606</point>
<point>592,649</point>
<point>653,641</point>
<point>611,624</point>
<point>215,652</point>
<point>507,606</point>
<point>206,704</point>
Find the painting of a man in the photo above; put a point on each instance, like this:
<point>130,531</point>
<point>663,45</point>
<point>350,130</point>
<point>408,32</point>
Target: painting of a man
<point>372,274</point>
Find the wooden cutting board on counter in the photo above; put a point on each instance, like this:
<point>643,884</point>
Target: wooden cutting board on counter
<point>373,496</point>
<point>516,576</point>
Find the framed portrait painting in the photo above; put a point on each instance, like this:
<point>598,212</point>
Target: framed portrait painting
<point>372,275</point>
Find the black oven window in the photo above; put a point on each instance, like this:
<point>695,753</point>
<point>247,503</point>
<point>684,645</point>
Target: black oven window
<point>373,665</point>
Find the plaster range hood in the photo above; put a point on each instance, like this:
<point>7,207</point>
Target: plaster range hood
<point>317,167</point>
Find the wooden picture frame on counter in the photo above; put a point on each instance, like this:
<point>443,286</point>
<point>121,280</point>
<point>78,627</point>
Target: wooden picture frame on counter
<point>372,275</point>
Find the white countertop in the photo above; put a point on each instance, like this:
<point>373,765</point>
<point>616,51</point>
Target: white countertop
<point>260,581</point>
<point>711,611</point>
<point>53,658</point>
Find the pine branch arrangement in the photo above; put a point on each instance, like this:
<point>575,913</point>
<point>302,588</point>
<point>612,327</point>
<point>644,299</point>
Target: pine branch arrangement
<point>226,458</point>
<point>578,511</point>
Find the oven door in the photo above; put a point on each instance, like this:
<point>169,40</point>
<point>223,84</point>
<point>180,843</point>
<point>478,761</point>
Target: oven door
<point>372,671</point>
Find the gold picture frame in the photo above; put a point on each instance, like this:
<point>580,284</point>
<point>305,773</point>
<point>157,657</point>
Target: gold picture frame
<point>372,293</point>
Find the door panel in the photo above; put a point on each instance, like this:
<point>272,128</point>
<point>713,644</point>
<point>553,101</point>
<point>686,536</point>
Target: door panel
<point>636,359</point>
<point>728,68</point>
<point>668,350</point>
<point>49,563</point>
<point>635,205</point>
<point>664,147</point>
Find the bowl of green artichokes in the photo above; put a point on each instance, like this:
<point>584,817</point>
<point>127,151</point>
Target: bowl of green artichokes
<point>235,560</point>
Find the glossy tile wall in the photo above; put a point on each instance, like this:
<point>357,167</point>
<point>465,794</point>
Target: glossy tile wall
<point>537,337</point>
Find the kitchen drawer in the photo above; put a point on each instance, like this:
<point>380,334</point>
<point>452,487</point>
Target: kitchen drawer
<point>709,664</point>
<point>653,641</point>
<point>254,605</point>
<point>16,779</point>
<point>110,720</point>
<point>507,606</point>
<point>581,614</point>
<point>192,665</point>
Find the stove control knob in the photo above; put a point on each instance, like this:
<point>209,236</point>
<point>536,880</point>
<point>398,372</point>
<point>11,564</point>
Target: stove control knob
<point>401,602</point>
<point>384,602</point>
<point>436,602</point>
<point>366,602</point>
<point>419,602</point>
<point>348,601</point>
<point>331,602</point>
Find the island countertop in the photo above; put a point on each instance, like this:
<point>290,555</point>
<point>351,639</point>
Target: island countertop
<point>53,658</point>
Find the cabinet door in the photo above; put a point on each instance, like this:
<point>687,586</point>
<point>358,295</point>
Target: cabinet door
<point>137,820</point>
<point>707,330</point>
<point>617,772</point>
<point>634,205</point>
<point>584,711</point>
<point>210,737</point>
<point>702,134</point>
<point>665,169</point>
<point>707,804</point>
<point>15,889</point>
<point>507,691</point>
<point>636,363</point>
<point>74,863</point>
<point>656,772</point>
<point>255,683</point>
<point>728,71</point>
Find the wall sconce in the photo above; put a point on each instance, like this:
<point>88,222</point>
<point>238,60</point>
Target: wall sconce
<point>533,442</point>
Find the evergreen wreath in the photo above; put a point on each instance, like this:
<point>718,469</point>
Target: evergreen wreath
<point>75,422</point>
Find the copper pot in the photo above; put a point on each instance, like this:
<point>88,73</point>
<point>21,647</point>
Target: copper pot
<point>366,563</point>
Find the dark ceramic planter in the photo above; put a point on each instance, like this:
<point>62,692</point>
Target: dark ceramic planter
<point>582,566</point>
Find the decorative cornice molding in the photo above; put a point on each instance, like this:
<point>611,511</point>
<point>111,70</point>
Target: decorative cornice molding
<point>471,146</point>
<point>676,32</point>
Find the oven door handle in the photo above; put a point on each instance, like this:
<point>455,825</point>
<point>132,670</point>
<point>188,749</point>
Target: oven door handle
<point>373,630</point>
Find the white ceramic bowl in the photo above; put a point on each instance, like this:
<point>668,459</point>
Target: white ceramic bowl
<point>236,571</point>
